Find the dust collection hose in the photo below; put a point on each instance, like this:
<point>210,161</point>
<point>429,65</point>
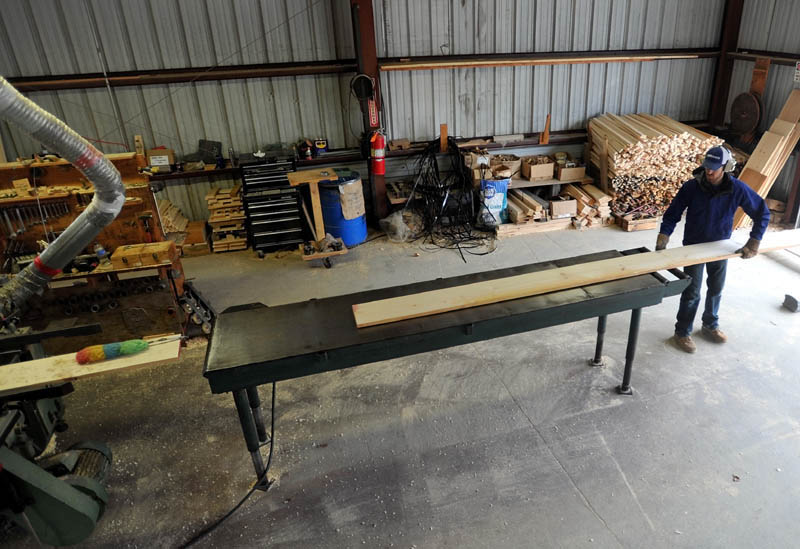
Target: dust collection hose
<point>109,197</point>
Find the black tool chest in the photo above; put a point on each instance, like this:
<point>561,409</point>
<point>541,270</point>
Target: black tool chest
<point>271,205</point>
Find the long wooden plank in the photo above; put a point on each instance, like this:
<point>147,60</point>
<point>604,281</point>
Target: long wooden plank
<point>791,109</point>
<point>765,152</point>
<point>386,311</point>
<point>55,370</point>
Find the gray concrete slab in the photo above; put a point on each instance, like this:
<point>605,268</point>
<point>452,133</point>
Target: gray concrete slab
<point>513,442</point>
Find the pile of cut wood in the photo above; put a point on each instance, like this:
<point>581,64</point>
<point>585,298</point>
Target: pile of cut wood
<point>172,219</point>
<point>593,206</point>
<point>645,159</point>
<point>226,217</point>
<point>772,151</point>
<point>529,214</point>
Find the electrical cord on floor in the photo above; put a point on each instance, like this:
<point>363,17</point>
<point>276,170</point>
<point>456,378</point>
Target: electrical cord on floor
<point>203,533</point>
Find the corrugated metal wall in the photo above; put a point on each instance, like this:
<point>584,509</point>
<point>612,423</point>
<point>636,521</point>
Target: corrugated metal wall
<point>769,25</point>
<point>160,34</point>
<point>506,100</point>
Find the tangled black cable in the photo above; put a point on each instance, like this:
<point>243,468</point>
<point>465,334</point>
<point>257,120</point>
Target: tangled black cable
<point>447,205</point>
<point>200,535</point>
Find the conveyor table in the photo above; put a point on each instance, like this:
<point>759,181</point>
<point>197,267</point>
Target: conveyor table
<point>253,344</point>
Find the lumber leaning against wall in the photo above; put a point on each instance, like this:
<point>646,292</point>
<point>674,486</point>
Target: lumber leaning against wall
<point>385,311</point>
<point>772,152</point>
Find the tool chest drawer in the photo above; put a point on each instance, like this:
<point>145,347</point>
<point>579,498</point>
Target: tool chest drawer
<point>273,215</point>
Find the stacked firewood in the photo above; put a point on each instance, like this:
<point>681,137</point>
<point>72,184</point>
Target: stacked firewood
<point>646,158</point>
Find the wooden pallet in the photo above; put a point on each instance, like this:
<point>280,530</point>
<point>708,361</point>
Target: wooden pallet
<point>229,244</point>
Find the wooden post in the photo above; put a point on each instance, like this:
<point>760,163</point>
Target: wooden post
<point>442,137</point>
<point>544,137</point>
<point>604,166</point>
<point>137,139</point>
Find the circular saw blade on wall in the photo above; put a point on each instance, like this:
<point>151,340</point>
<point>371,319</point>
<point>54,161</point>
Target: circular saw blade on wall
<point>745,113</point>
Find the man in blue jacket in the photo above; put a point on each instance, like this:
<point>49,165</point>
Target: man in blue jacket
<point>711,198</point>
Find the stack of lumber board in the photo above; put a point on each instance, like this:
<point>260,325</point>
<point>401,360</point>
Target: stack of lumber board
<point>593,206</point>
<point>529,214</point>
<point>226,217</point>
<point>646,158</point>
<point>172,219</point>
<point>524,206</point>
<point>771,153</point>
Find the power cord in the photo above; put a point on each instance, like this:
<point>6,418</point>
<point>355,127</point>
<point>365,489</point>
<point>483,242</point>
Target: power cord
<point>203,533</point>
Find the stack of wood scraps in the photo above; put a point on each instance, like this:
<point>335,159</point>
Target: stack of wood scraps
<point>772,152</point>
<point>226,217</point>
<point>644,159</point>
<point>172,219</point>
<point>529,214</point>
<point>593,209</point>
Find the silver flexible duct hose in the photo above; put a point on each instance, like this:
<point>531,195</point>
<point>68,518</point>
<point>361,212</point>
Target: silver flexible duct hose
<point>109,196</point>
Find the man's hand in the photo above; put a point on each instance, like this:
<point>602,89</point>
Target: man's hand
<point>750,249</point>
<point>661,241</point>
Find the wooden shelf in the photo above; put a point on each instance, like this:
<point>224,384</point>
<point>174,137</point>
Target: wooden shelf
<point>524,183</point>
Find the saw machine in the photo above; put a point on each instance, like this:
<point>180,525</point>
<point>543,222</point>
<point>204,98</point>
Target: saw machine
<point>58,498</point>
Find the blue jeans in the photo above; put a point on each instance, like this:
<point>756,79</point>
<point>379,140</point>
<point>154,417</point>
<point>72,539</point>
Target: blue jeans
<point>690,298</point>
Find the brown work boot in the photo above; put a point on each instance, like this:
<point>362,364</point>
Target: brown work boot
<point>685,343</point>
<point>716,335</point>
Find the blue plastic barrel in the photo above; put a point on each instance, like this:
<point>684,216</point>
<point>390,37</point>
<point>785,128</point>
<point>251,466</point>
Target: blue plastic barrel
<point>351,231</point>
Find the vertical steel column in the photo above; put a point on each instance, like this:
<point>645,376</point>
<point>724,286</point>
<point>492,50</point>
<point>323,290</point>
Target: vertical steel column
<point>630,353</point>
<point>728,42</point>
<point>598,350</point>
<point>363,20</point>
<point>249,431</point>
<point>255,408</point>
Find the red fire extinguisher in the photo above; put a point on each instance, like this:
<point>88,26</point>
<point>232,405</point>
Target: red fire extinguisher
<point>378,153</point>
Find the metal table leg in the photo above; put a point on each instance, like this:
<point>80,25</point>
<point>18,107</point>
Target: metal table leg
<point>630,353</point>
<point>255,407</point>
<point>250,434</point>
<point>598,350</point>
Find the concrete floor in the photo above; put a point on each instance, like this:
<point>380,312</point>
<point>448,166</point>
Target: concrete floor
<point>514,442</point>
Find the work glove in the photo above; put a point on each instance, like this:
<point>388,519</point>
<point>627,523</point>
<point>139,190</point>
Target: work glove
<point>661,241</point>
<point>750,249</point>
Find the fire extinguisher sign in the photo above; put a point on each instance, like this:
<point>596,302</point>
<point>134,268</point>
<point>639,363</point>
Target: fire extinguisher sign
<point>373,113</point>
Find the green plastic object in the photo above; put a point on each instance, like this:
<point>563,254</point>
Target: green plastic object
<point>61,513</point>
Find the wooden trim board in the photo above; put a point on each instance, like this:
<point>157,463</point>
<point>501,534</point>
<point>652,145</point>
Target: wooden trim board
<point>385,311</point>
<point>55,370</point>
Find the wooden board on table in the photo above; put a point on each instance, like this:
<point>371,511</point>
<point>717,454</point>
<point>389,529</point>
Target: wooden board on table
<point>385,311</point>
<point>55,370</point>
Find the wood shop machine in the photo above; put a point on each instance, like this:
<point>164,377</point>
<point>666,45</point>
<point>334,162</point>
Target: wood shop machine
<point>84,262</point>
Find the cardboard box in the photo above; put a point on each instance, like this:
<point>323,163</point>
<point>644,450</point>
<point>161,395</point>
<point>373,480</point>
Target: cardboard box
<point>160,157</point>
<point>512,161</point>
<point>563,208</point>
<point>22,186</point>
<point>537,172</point>
<point>570,174</point>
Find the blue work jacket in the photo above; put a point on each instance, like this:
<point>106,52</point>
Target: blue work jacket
<point>711,209</point>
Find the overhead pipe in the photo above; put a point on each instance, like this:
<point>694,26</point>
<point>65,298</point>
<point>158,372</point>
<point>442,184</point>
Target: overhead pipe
<point>109,197</point>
